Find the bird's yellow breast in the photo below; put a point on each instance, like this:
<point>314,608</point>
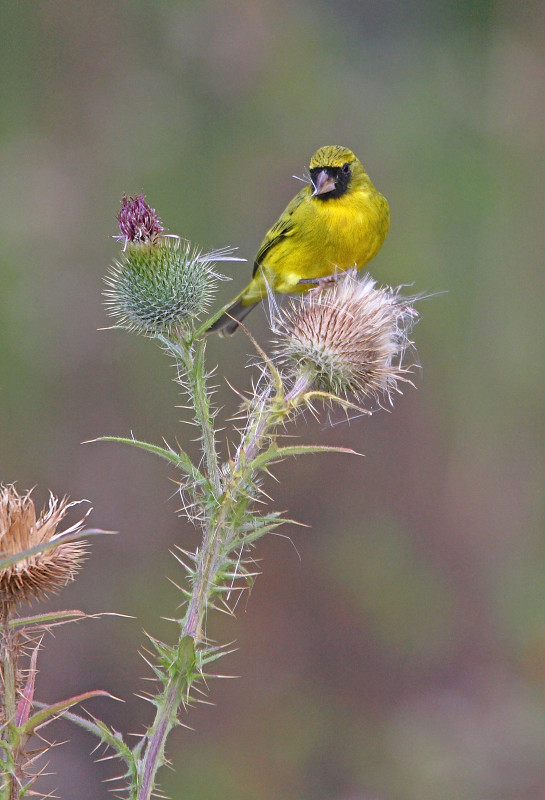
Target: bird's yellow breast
<point>324,236</point>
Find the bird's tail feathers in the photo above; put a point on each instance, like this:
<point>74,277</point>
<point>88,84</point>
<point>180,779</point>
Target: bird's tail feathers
<point>228,323</point>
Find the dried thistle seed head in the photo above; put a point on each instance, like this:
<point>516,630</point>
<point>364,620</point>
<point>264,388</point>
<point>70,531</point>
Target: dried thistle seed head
<point>157,287</point>
<point>348,339</point>
<point>20,529</point>
<point>138,222</point>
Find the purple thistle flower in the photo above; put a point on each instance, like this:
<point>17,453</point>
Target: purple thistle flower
<point>138,222</point>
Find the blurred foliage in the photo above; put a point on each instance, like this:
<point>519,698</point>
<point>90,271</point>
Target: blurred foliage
<point>403,655</point>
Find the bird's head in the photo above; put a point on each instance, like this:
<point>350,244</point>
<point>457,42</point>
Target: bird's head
<point>333,171</point>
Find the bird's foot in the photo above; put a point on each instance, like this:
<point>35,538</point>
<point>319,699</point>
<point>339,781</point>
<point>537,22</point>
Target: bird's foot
<point>328,280</point>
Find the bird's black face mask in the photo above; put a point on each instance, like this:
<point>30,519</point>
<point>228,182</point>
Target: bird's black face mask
<point>330,182</point>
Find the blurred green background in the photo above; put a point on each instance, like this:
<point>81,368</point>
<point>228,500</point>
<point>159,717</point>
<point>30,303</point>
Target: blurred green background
<point>397,652</point>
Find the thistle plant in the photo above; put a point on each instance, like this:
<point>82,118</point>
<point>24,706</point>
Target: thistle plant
<point>35,560</point>
<point>343,345</point>
<point>349,341</point>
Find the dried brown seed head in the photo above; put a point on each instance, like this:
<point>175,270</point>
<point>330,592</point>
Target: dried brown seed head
<point>20,529</point>
<point>348,339</point>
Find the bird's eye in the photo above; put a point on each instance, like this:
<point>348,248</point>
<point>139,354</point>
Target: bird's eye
<point>346,168</point>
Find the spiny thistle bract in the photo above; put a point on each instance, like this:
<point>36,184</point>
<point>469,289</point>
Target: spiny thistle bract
<point>20,529</point>
<point>159,285</point>
<point>348,339</point>
<point>157,288</point>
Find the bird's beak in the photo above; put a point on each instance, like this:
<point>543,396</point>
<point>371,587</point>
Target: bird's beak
<point>324,183</point>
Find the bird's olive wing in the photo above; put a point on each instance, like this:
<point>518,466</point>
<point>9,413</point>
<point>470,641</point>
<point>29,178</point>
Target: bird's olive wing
<point>282,228</point>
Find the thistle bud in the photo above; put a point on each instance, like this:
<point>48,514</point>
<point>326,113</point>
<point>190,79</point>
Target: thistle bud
<point>20,529</point>
<point>155,289</point>
<point>349,339</point>
<point>159,284</point>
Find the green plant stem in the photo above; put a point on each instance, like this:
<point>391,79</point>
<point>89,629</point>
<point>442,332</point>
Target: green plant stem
<point>156,743</point>
<point>192,361</point>
<point>197,373</point>
<point>267,415</point>
<point>177,686</point>
<point>218,535</point>
<point>277,413</point>
<point>8,789</point>
<point>192,357</point>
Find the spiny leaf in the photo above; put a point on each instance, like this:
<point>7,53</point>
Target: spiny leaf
<point>296,450</point>
<point>110,737</point>
<point>274,453</point>
<point>165,652</point>
<point>7,561</point>
<point>186,658</point>
<point>328,398</point>
<point>58,709</point>
<point>207,656</point>
<point>179,459</point>
<point>49,619</point>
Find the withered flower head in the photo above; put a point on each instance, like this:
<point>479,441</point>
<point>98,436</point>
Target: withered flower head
<point>138,222</point>
<point>348,339</point>
<point>43,572</point>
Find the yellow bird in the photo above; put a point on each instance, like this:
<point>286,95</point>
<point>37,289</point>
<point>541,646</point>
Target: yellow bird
<point>337,222</point>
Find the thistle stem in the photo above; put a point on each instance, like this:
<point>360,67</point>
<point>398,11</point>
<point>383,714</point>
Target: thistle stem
<point>270,416</point>
<point>217,538</point>
<point>156,743</point>
<point>192,357</point>
<point>8,788</point>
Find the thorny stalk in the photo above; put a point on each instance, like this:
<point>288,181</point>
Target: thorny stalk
<point>350,342</point>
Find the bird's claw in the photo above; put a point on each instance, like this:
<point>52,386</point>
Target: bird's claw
<point>322,283</point>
